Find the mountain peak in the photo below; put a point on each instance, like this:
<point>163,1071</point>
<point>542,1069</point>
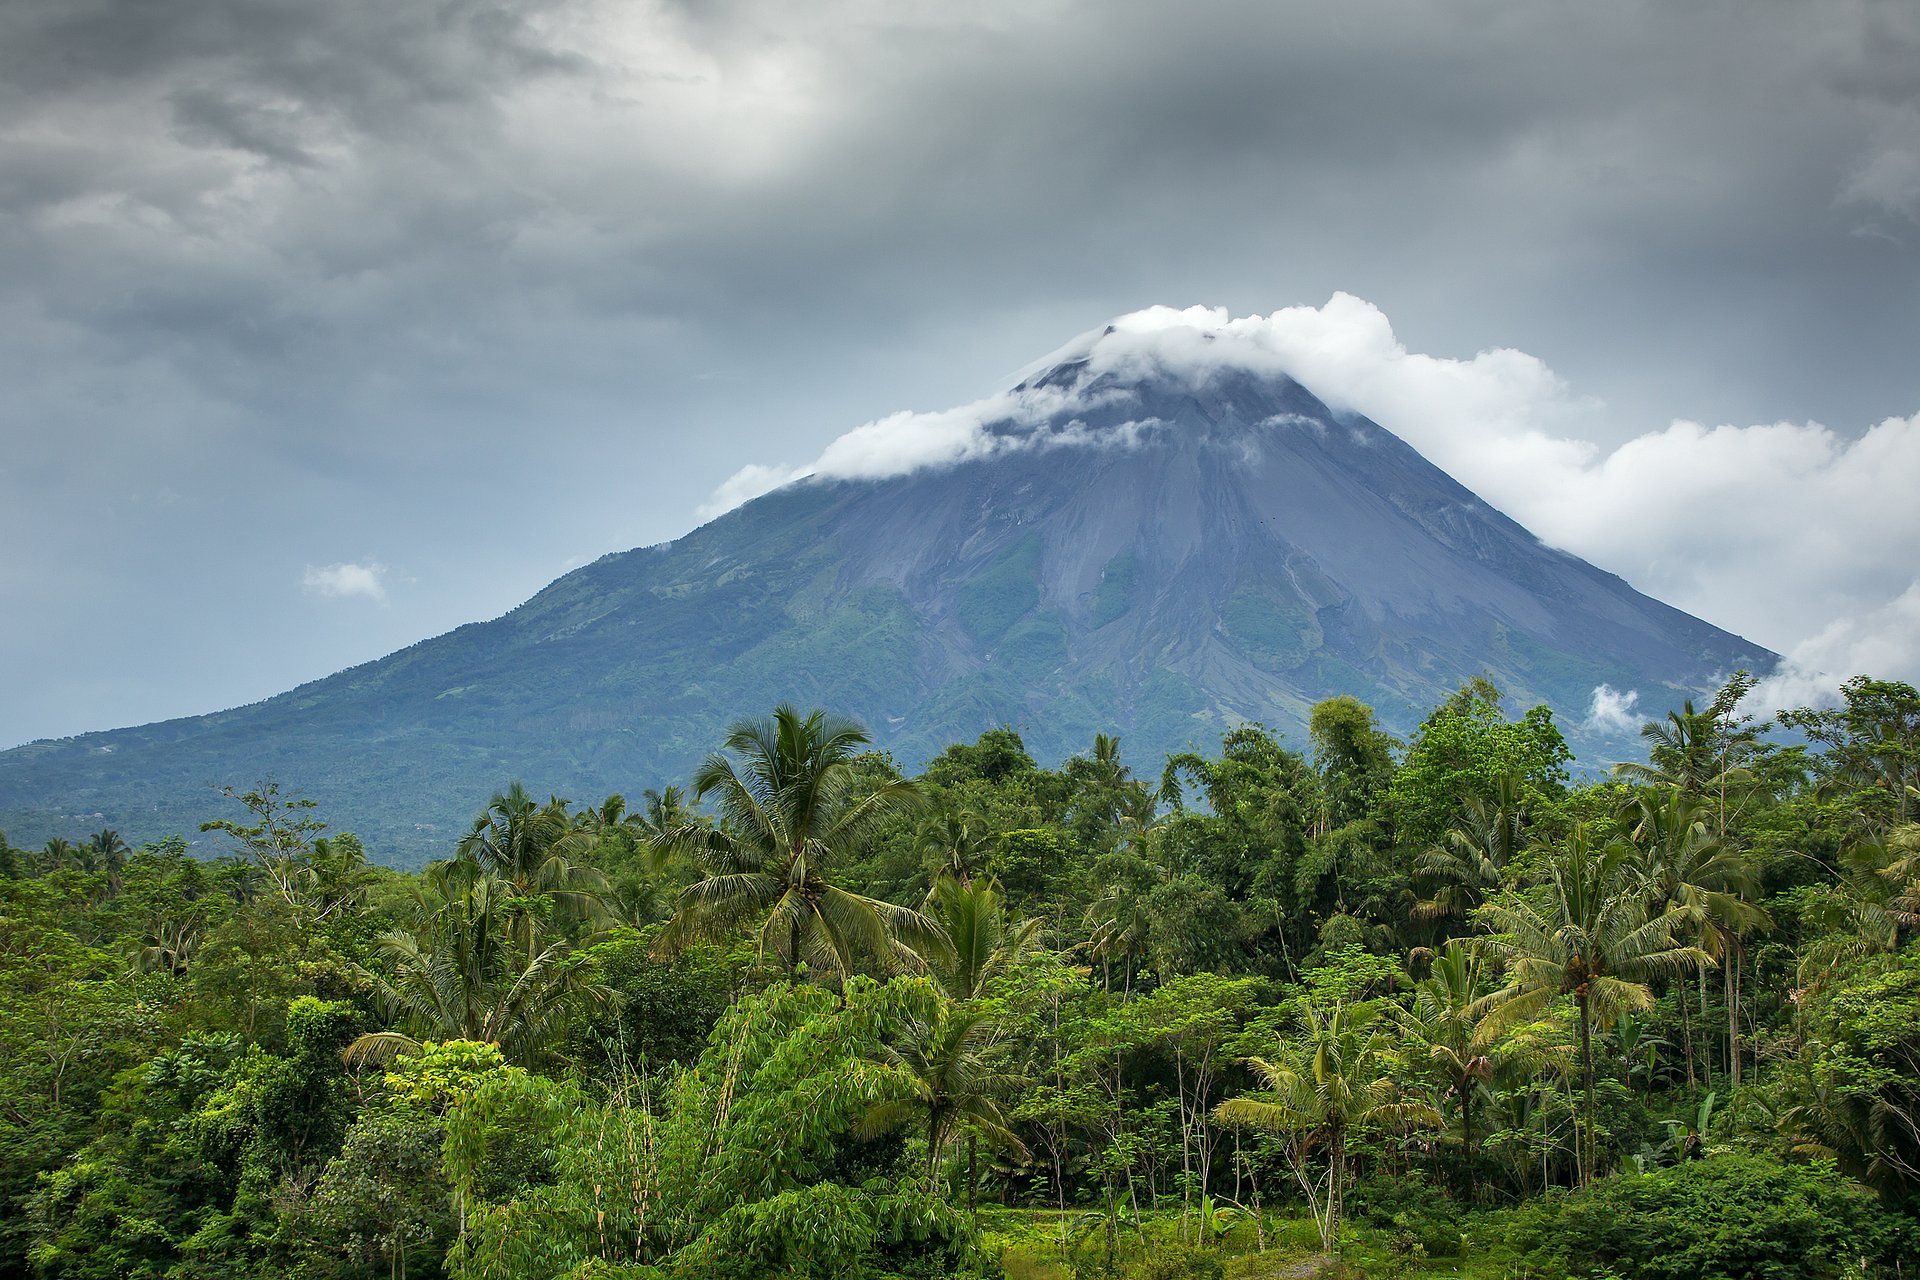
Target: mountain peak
<point>1193,344</point>
<point>1158,531</point>
<point>1070,396</point>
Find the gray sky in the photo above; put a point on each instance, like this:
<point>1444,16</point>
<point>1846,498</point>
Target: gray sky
<point>327,327</point>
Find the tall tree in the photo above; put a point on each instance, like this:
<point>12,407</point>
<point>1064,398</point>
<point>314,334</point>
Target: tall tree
<point>791,807</point>
<point>107,852</point>
<point>976,944</point>
<point>463,976</point>
<point>1325,1084</point>
<point>1461,750</point>
<point>944,1051</point>
<point>1705,754</point>
<point>1587,934</point>
<point>1453,1028</point>
<point>1353,756</point>
<point>1683,864</point>
<point>1873,741</point>
<point>1471,861</point>
<point>280,837</point>
<point>536,849</point>
<point>954,841</point>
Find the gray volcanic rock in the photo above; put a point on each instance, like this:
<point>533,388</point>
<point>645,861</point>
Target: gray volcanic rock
<point>1144,553</point>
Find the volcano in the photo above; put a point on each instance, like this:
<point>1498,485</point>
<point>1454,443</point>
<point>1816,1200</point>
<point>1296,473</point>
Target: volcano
<point>1122,542</point>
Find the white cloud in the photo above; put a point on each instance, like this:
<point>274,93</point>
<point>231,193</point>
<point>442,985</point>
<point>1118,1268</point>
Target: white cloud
<point>1882,641</point>
<point>904,442</point>
<point>1613,711</point>
<point>746,484</point>
<point>1789,533</point>
<point>344,581</point>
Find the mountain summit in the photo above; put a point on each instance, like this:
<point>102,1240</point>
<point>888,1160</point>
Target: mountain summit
<point>1156,533</point>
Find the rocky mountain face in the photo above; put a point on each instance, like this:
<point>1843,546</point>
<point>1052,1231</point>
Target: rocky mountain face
<point>1121,550</point>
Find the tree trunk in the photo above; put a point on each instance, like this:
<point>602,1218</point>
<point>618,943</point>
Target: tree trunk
<point>1332,1231</point>
<point>1466,1142</point>
<point>973,1174</point>
<point>1186,1145</point>
<point>1686,1036</point>
<point>1586,1077</point>
<point>1733,949</point>
<point>1706,1034</point>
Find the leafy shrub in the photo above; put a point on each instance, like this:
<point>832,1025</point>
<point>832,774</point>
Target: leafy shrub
<point>1417,1216</point>
<point>1179,1262</point>
<point>1732,1217</point>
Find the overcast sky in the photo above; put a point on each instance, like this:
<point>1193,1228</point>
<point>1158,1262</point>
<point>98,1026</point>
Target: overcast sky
<point>328,327</point>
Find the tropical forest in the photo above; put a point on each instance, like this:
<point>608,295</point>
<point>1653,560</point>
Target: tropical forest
<point>1455,1004</point>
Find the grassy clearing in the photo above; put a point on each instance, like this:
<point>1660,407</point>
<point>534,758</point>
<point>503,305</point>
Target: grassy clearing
<point>1029,1245</point>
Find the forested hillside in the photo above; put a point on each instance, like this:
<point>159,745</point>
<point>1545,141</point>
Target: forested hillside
<point>1421,1006</point>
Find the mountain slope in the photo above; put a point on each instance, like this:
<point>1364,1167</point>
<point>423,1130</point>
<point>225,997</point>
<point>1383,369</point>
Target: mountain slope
<point>1109,547</point>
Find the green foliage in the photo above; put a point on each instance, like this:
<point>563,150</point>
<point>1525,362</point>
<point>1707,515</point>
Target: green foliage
<point>1354,758</point>
<point>1028,863</point>
<point>1725,1218</point>
<point>1873,743</point>
<point>795,805</point>
<point>719,1171</point>
<point>662,1007</point>
<point>565,1098</point>
<point>1179,1262</point>
<point>1458,752</point>
<point>1858,1100</point>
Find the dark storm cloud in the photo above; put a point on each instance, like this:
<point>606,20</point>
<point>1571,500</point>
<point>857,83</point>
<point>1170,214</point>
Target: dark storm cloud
<point>472,291</point>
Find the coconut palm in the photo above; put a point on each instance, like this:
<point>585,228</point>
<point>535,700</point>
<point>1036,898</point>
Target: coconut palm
<point>1471,861</point>
<point>1456,1037</point>
<point>107,851</point>
<point>976,943</point>
<point>1680,751</point>
<point>1683,864</point>
<point>1587,933</point>
<point>954,841</point>
<point>943,1054</point>
<point>1323,1087</point>
<point>533,848</point>
<point>462,975</point>
<point>791,806</point>
<point>1119,924</point>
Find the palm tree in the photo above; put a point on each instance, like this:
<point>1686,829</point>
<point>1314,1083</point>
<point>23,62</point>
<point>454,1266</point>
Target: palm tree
<point>1471,862</point>
<point>1682,864</point>
<point>58,854</point>
<point>1703,753</point>
<point>791,807</point>
<point>107,852</point>
<point>955,841</point>
<point>1325,1086</point>
<point>1588,934</point>
<point>976,944</point>
<point>661,814</point>
<point>1453,1027</point>
<point>943,1053</point>
<point>1680,751</point>
<point>1121,928</point>
<point>461,976</point>
<point>1875,896</point>
<point>532,848</point>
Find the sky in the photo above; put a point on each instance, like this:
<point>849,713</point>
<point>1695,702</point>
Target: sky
<point>327,328</point>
